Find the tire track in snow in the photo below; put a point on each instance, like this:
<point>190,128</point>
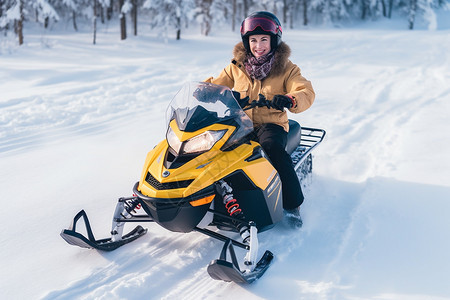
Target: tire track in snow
<point>88,93</point>
<point>371,122</point>
<point>345,246</point>
<point>158,263</point>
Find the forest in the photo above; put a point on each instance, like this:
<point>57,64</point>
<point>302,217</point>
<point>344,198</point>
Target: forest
<point>176,15</point>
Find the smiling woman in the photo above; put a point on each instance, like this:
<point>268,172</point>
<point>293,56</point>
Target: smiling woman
<point>261,66</point>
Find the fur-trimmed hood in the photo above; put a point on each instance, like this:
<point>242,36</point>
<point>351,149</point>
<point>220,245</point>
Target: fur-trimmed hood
<point>282,54</point>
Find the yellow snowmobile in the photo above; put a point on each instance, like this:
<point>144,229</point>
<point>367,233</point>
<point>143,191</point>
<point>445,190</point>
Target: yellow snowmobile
<point>208,176</point>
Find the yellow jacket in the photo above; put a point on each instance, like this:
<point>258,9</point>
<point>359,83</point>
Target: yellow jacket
<point>284,79</point>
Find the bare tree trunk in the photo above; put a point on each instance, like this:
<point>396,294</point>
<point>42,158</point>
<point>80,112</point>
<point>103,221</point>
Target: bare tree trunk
<point>383,6</point>
<point>109,11</point>
<point>206,23</point>
<point>102,14</point>
<point>135,16</point>
<point>391,3</point>
<point>285,10</point>
<point>364,9</point>
<point>293,9</point>
<point>94,21</point>
<point>246,5</point>
<point>233,16</point>
<point>20,23</point>
<point>305,12</point>
<point>74,20</point>
<point>123,22</point>
<point>412,13</point>
<point>178,20</point>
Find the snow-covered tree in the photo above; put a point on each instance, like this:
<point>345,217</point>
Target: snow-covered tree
<point>166,15</point>
<point>426,10</point>
<point>44,11</point>
<point>203,15</point>
<point>124,7</point>
<point>170,14</point>
<point>13,14</point>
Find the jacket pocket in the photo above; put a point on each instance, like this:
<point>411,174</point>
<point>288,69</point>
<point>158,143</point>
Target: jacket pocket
<point>270,91</point>
<point>241,88</point>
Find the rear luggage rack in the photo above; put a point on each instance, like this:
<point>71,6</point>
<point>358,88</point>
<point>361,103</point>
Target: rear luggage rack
<point>311,138</point>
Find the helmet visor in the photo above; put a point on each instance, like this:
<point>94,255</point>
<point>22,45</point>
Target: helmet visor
<point>250,24</point>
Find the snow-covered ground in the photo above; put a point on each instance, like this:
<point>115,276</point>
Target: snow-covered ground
<point>77,121</point>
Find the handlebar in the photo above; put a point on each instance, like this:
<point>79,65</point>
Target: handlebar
<point>261,102</point>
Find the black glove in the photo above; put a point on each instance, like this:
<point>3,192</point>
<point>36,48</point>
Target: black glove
<point>242,102</point>
<point>207,93</point>
<point>280,102</point>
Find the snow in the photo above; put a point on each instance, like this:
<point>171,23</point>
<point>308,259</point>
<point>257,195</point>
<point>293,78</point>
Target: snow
<point>77,121</point>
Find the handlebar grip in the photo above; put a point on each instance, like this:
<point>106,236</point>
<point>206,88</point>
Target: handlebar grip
<point>261,102</point>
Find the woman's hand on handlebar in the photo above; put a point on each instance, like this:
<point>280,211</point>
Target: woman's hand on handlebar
<point>278,102</point>
<point>281,101</point>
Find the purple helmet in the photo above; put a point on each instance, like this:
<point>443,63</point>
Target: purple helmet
<point>261,22</point>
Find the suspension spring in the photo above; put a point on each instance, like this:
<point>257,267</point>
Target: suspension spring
<point>232,205</point>
<point>230,202</point>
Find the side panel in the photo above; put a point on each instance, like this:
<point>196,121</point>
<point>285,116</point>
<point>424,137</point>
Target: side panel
<point>264,207</point>
<point>260,171</point>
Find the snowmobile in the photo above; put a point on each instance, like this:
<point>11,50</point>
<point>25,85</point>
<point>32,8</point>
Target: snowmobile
<point>208,176</point>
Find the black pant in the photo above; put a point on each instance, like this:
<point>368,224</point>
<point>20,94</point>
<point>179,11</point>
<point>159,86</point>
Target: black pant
<point>273,139</point>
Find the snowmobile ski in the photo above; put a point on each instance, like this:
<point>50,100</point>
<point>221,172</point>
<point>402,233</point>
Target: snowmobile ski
<point>222,269</point>
<point>73,237</point>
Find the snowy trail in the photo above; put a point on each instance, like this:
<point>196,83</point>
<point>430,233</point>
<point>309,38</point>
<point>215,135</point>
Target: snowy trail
<point>77,121</point>
<point>382,106</point>
<point>97,87</point>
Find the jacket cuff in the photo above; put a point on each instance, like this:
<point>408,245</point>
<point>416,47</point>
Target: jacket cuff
<point>294,103</point>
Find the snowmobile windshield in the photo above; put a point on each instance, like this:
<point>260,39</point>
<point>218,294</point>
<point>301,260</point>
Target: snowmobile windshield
<point>200,104</point>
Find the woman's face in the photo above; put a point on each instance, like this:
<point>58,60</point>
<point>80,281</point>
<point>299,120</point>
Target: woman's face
<point>259,44</point>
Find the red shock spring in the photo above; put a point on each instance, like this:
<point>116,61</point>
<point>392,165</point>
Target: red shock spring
<point>233,207</point>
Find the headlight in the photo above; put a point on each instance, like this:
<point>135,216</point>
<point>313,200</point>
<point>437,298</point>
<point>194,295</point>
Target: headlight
<point>173,140</point>
<point>199,143</point>
<point>202,142</point>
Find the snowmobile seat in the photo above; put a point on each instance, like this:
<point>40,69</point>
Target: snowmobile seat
<point>294,136</point>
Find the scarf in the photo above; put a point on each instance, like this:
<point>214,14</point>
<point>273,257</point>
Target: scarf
<point>259,67</point>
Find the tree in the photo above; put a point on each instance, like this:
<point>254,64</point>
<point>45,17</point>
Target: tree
<point>45,11</point>
<point>204,16</point>
<point>412,13</point>
<point>123,22</point>
<point>71,5</point>
<point>94,21</point>
<point>19,22</point>
<point>167,14</point>
<point>305,12</point>
<point>14,14</point>
<point>233,15</point>
<point>178,14</point>
<point>134,15</point>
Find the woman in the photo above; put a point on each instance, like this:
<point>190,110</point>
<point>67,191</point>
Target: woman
<point>261,65</point>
